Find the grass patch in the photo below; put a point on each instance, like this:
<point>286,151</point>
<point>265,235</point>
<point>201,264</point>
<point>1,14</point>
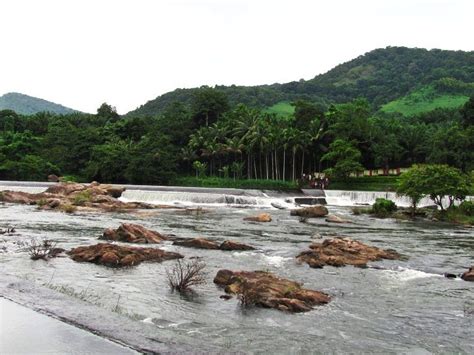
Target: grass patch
<point>81,198</point>
<point>238,184</point>
<point>456,215</point>
<point>282,109</point>
<point>366,183</point>
<point>425,99</point>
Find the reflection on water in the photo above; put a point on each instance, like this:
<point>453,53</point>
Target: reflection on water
<point>401,306</point>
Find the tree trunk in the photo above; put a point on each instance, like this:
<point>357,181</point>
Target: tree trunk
<point>284,164</point>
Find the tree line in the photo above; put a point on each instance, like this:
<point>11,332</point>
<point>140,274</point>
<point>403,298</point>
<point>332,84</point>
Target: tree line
<point>210,136</point>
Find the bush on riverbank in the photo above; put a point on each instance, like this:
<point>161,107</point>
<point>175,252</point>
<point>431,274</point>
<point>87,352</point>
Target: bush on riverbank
<point>238,184</point>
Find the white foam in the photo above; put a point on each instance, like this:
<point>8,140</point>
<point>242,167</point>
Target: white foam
<point>405,274</point>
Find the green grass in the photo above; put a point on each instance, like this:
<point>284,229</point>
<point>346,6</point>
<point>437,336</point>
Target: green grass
<point>424,100</point>
<point>366,183</point>
<point>238,184</point>
<point>282,109</point>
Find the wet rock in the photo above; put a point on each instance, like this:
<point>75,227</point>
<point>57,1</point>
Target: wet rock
<point>230,245</point>
<point>116,255</point>
<point>311,212</point>
<point>133,233</point>
<point>468,275</point>
<point>199,243</point>
<point>264,289</point>
<point>336,219</point>
<point>262,217</point>
<point>343,251</point>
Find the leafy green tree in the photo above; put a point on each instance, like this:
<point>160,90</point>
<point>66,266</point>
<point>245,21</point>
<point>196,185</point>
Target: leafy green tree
<point>107,113</point>
<point>411,184</point>
<point>208,105</point>
<point>345,158</point>
<point>439,182</point>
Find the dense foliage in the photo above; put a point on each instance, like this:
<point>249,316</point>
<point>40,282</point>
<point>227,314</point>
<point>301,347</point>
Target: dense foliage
<point>213,138</point>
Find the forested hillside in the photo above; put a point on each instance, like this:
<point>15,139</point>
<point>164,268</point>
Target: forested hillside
<point>28,105</point>
<point>380,76</point>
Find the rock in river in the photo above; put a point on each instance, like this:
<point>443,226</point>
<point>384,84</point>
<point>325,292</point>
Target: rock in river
<point>468,275</point>
<point>336,219</point>
<point>311,212</point>
<point>116,255</point>
<point>343,251</point>
<point>262,217</point>
<point>69,196</point>
<point>263,289</point>
<point>133,233</point>
<point>202,243</point>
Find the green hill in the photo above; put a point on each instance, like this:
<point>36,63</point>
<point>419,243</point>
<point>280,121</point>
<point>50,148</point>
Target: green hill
<point>425,99</point>
<point>27,105</point>
<point>381,76</point>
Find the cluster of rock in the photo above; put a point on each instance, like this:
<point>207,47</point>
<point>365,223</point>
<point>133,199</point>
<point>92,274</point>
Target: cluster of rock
<point>202,243</point>
<point>343,251</point>
<point>69,196</point>
<point>114,255</point>
<point>264,289</point>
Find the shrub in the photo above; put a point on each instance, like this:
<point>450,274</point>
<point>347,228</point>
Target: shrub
<point>186,274</point>
<point>467,207</point>
<point>383,207</point>
<point>81,198</point>
<point>41,250</point>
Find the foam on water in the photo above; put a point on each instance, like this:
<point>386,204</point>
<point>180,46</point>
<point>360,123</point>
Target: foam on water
<point>403,274</point>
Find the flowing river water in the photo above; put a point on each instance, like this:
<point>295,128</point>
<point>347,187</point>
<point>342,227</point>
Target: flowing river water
<point>394,306</point>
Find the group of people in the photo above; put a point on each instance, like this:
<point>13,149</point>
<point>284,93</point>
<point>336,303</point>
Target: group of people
<point>314,181</point>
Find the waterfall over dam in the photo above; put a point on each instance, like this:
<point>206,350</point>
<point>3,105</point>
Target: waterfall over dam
<point>179,195</point>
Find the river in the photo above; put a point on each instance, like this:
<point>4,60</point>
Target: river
<point>396,306</point>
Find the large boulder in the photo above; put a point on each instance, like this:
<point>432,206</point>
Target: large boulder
<point>315,211</point>
<point>53,178</point>
<point>264,289</point>
<point>468,275</point>
<point>133,233</point>
<point>343,251</point>
<point>262,217</point>
<point>117,256</point>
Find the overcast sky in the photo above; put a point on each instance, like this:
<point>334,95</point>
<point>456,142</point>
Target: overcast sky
<point>81,53</point>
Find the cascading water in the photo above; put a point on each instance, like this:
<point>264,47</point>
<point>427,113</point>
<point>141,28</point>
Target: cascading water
<point>353,198</point>
<point>190,198</point>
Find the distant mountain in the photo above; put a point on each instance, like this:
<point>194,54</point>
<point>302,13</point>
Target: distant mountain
<point>27,105</point>
<point>381,76</point>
